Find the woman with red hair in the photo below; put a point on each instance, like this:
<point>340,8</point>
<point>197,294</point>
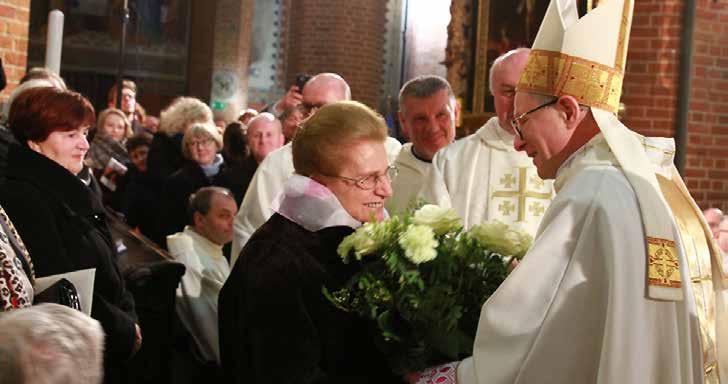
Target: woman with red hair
<point>59,218</point>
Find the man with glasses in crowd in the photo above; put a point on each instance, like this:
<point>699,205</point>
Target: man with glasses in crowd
<point>482,176</point>
<point>277,167</point>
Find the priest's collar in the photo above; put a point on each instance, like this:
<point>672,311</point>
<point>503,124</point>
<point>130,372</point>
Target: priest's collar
<point>416,156</point>
<point>594,152</point>
<point>495,136</point>
<point>311,205</point>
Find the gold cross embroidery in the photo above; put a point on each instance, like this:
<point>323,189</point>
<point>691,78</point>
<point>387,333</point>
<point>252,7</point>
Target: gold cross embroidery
<point>506,207</point>
<point>537,208</point>
<point>508,180</point>
<point>522,193</point>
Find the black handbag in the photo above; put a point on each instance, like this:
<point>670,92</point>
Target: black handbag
<point>61,292</point>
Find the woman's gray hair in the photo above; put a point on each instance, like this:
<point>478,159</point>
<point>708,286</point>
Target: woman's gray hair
<point>49,344</point>
<point>207,130</point>
<point>183,112</point>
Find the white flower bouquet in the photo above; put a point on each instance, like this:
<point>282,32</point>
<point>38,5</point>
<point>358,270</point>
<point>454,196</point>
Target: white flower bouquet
<point>423,281</point>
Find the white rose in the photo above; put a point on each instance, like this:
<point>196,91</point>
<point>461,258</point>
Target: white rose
<point>500,238</point>
<point>441,220</point>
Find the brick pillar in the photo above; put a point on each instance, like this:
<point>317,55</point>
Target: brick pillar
<point>231,57</point>
<point>14,20</point>
<point>345,37</point>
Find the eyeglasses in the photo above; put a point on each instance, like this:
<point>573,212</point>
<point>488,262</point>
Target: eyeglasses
<point>200,143</point>
<point>371,181</point>
<point>516,120</point>
<point>308,109</point>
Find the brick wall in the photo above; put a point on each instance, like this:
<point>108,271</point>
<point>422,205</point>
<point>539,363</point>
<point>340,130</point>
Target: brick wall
<point>651,86</point>
<point>14,19</point>
<point>707,154</point>
<point>346,37</point>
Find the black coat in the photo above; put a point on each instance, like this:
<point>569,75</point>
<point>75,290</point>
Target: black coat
<point>175,194</point>
<point>237,177</point>
<point>138,200</point>
<point>165,156</point>
<point>64,228</point>
<point>275,324</point>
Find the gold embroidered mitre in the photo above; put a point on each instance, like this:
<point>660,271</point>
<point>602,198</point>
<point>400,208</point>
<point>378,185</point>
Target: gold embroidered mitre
<point>585,58</point>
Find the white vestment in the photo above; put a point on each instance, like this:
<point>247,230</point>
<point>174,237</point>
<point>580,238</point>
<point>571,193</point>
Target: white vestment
<point>484,178</point>
<point>575,309</point>
<point>409,181</point>
<point>265,186</point>
<point>207,270</point>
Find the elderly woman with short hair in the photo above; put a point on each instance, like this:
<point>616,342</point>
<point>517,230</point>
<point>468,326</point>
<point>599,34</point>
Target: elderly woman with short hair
<point>165,154</point>
<point>61,222</point>
<point>201,145</point>
<point>276,324</point>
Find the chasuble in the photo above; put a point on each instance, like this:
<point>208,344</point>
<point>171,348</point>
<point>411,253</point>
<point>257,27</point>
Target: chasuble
<point>484,178</point>
<point>575,310</point>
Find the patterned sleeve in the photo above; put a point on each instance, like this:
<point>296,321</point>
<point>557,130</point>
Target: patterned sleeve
<point>441,374</point>
<point>15,290</point>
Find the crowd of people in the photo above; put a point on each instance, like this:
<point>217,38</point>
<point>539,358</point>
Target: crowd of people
<point>607,292</point>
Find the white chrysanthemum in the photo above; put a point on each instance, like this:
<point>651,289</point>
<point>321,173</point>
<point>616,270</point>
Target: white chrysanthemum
<point>419,243</point>
<point>441,220</point>
<point>502,239</point>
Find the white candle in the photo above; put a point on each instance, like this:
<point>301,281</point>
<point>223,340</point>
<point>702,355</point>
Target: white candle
<point>54,41</point>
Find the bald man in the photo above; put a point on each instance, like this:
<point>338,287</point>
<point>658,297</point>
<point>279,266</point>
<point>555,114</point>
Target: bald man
<point>274,170</point>
<point>264,136</point>
<point>482,176</point>
<point>713,216</point>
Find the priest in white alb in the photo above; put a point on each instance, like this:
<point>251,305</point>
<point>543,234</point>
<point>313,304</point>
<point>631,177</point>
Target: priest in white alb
<point>428,114</point>
<point>604,295</point>
<point>482,176</point>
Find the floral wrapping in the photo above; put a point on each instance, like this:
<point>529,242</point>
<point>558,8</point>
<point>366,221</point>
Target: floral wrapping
<point>442,374</point>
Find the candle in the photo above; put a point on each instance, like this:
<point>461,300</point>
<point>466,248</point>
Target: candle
<point>54,41</point>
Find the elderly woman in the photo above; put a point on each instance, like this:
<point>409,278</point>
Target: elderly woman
<point>200,146</point>
<point>58,217</point>
<point>276,324</point>
<point>112,131</point>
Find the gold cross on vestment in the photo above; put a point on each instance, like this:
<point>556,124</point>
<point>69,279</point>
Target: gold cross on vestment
<point>506,207</point>
<point>522,193</point>
<point>508,180</point>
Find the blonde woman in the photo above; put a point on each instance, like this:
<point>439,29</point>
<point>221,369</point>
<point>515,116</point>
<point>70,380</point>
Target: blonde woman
<point>112,131</point>
<point>200,147</point>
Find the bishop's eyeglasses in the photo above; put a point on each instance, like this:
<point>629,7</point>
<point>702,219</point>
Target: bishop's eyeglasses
<point>516,122</point>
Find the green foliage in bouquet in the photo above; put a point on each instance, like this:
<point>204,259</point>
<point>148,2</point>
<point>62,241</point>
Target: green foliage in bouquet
<point>423,281</point>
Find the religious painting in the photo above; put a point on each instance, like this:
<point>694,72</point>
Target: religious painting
<point>501,27</point>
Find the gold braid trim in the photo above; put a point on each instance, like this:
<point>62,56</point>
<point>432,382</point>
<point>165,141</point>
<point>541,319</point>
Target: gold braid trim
<point>555,73</point>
